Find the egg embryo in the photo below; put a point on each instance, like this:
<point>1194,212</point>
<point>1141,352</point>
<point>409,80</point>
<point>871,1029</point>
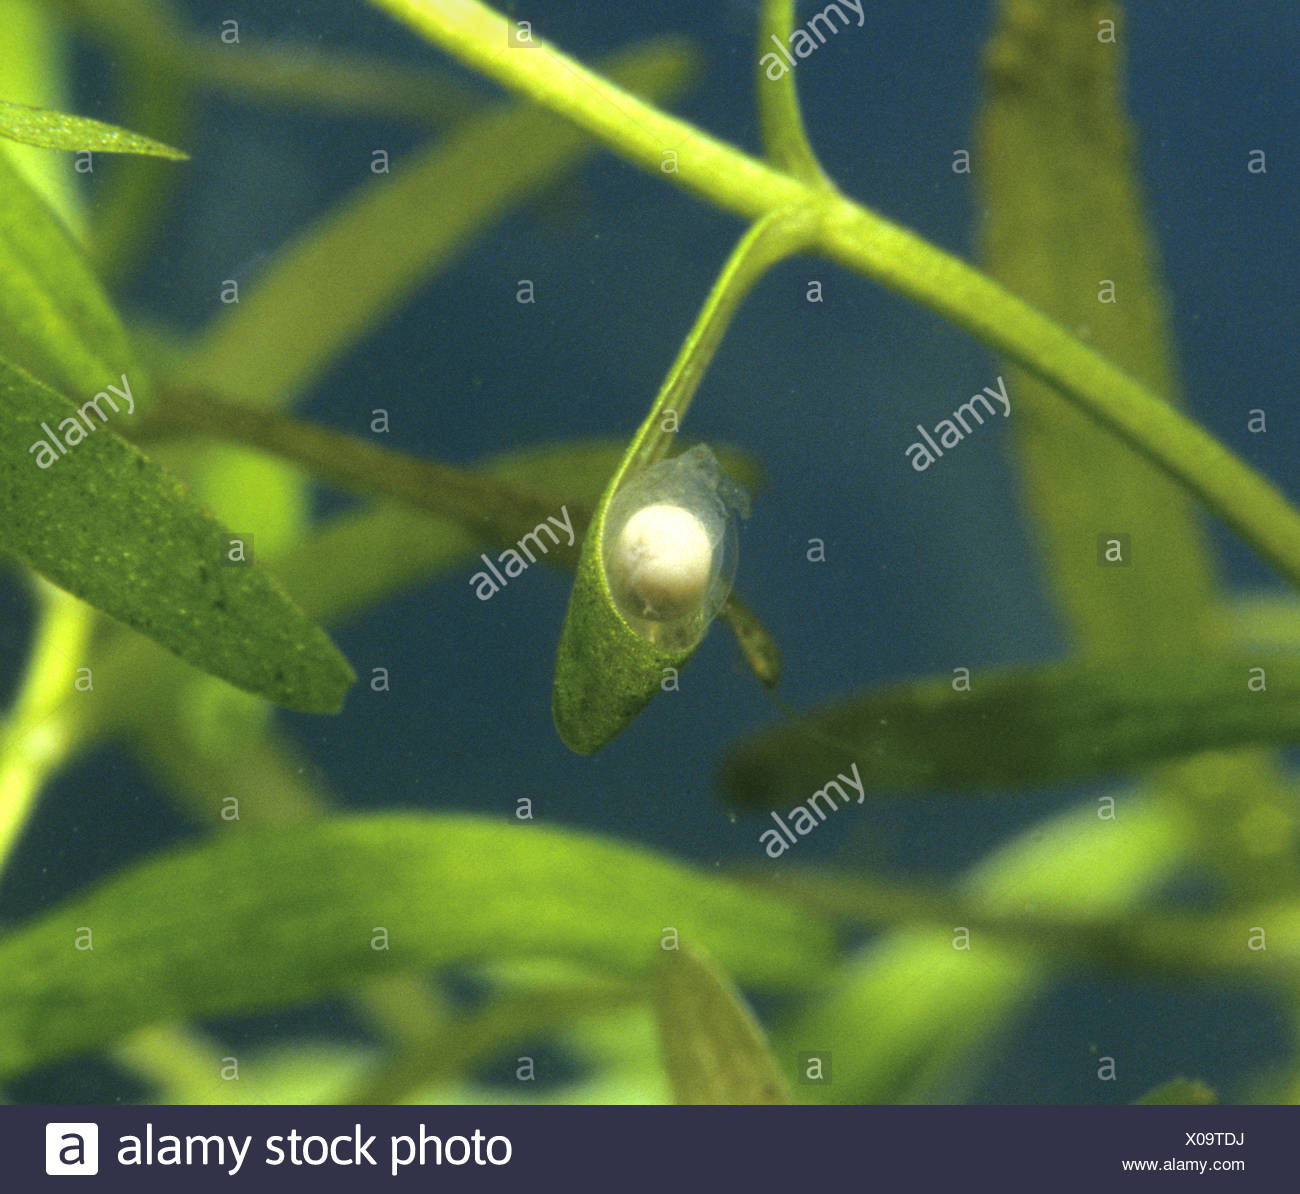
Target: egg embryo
<point>667,560</point>
<point>669,546</point>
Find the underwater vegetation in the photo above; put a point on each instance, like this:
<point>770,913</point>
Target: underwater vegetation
<point>403,825</point>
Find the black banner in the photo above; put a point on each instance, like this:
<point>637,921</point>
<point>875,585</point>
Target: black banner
<point>599,1148</point>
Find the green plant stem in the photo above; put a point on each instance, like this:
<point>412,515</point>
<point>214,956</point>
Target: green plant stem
<point>45,725</point>
<point>858,238</point>
<point>490,508</point>
<point>777,235</point>
<point>784,139</point>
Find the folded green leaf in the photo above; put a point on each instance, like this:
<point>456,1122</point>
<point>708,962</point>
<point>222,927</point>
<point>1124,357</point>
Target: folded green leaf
<point>259,919</point>
<point>1020,727</point>
<point>58,130</point>
<point>714,1049</point>
<point>55,320</point>
<point>611,662</point>
<point>88,511</point>
<point>605,673</point>
<point>503,505</point>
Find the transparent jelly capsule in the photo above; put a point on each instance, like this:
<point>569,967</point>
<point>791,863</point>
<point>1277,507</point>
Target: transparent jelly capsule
<point>670,546</point>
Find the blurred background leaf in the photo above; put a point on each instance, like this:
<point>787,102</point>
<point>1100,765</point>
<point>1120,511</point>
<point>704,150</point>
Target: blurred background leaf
<point>1180,1092</point>
<point>55,320</point>
<point>714,1049</point>
<point>1021,727</point>
<point>201,932</point>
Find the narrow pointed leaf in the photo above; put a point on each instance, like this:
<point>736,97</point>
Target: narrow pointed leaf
<point>201,931</point>
<point>58,130</point>
<point>714,1050</point>
<point>123,535</point>
<point>1021,727</point>
<point>1064,210</point>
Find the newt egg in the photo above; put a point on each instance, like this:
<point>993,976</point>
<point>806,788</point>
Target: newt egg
<point>670,546</point>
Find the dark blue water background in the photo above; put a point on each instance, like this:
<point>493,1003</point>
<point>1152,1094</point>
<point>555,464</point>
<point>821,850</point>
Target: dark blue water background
<point>925,572</point>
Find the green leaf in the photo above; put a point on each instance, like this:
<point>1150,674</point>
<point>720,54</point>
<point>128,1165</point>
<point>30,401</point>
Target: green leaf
<point>1063,210</point>
<point>607,671</point>
<point>55,320</point>
<point>58,130</point>
<point>714,1049</point>
<point>1021,727</point>
<point>260,919</point>
<point>123,535</point>
<point>1063,220</point>
<point>1157,945</point>
<point>1180,1092</point>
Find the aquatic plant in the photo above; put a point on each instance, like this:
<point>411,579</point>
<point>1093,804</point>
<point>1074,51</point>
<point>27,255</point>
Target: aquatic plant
<point>183,633</point>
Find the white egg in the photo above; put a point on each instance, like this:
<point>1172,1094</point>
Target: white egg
<point>670,546</point>
<point>667,558</point>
